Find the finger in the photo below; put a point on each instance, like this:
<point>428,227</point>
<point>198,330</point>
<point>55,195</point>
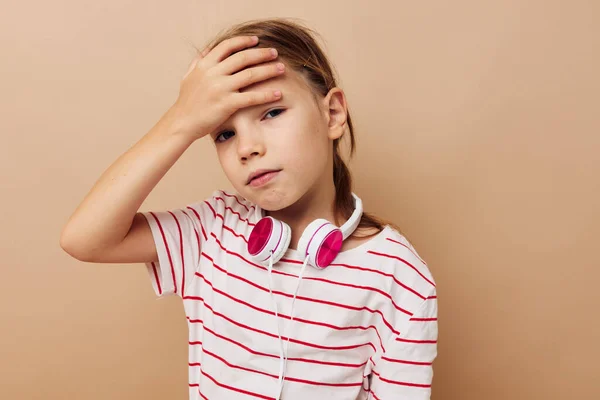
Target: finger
<point>252,75</point>
<point>247,99</point>
<point>242,60</point>
<point>227,47</point>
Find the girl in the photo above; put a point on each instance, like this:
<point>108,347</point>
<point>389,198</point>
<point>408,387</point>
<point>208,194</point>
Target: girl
<point>360,322</point>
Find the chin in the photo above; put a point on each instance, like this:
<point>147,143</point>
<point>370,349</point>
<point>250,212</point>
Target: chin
<point>272,199</point>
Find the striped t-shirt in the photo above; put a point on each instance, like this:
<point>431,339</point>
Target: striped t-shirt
<point>365,327</point>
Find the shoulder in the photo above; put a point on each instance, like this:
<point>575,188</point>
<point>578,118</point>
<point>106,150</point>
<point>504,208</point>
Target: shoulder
<point>412,267</point>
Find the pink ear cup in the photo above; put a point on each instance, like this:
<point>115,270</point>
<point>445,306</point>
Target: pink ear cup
<point>329,249</point>
<point>260,235</point>
<point>269,235</point>
<point>321,242</point>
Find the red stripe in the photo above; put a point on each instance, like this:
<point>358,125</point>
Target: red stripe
<point>200,223</point>
<point>384,274</point>
<point>234,388</point>
<point>416,341</point>
<point>404,261</point>
<point>198,244</point>
<point>421,385</point>
<point>314,278</point>
<point>318,346</point>
<point>431,297</point>
<point>323,383</point>
<point>181,254</point>
<point>364,269</point>
<point>262,310</point>
<point>210,353</point>
<point>162,232</point>
<point>288,378</point>
<point>236,199</point>
<point>394,360</point>
<point>409,249</point>
<point>423,319</point>
<point>156,278</point>
<point>374,396</point>
<point>212,209</point>
<point>330,303</point>
<point>248,349</point>
<point>242,219</point>
<point>234,233</point>
<point>201,226</point>
<point>201,395</point>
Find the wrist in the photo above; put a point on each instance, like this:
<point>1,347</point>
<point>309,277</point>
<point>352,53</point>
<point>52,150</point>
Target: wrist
<point>174,121</point>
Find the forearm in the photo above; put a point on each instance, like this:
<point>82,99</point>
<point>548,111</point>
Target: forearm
<point>105,215</point>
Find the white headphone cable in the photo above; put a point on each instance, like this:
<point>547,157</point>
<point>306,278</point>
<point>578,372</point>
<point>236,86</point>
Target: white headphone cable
<point>285,352</point>
<point>281,355</point>
<point>282,351</point>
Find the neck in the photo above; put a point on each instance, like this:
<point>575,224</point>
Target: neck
<point>312,205</point>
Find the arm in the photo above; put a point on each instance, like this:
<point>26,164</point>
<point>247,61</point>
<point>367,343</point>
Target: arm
<point>404,371</point>
<point>106,227</point>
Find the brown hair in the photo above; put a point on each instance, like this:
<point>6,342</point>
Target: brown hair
<point>297,47</point>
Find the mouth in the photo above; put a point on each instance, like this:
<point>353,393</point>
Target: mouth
<point>261,177</point>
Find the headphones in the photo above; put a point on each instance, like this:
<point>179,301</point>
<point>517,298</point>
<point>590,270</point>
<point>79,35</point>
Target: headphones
<point>319,244</point>
<point>321,240</point>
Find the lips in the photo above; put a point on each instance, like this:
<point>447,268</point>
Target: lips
<point>259,173</point>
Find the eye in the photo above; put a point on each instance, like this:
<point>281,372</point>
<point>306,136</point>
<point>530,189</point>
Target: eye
<point>221,134</point>
<point>277,109</point>
<point>280,110</point>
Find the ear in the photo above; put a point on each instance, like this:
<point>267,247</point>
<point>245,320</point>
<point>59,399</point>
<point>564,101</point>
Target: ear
<point>336,112</point>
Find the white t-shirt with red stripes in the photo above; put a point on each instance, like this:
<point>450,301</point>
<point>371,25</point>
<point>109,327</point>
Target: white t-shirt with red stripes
<point>365,327</point>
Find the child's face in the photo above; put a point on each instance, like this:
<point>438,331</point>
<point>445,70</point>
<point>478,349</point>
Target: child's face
<point>292,135</point>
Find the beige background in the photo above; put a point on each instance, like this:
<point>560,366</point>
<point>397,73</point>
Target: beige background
<point>478,133</point>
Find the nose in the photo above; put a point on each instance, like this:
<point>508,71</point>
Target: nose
<point>250,143</point>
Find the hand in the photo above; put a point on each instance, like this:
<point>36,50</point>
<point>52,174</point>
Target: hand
<point>208,93</point>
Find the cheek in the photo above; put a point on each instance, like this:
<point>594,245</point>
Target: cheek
<point>312,137</point>
<point>318,142</point>
<point>309,157</point>
<point>309,150</point>
<point>227,162</point>
<point>222,160</point>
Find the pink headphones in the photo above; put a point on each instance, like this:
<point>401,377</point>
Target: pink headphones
<point>321,241</point>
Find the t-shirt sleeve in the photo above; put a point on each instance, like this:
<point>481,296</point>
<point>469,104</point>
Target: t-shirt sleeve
<point>179,236</point>
<point>405,369</point>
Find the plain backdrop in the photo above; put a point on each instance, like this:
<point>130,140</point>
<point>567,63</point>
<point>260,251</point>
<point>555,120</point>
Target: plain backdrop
<point>478,133</point>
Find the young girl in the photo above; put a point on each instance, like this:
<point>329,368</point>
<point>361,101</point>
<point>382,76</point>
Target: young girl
<point>290,290</point>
